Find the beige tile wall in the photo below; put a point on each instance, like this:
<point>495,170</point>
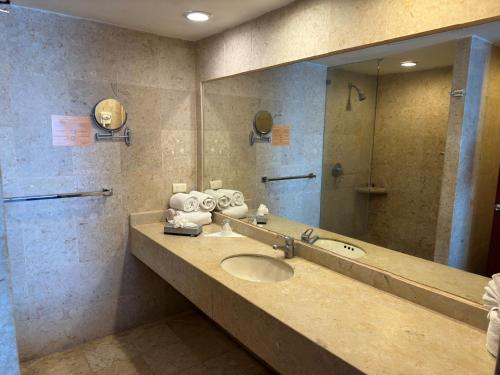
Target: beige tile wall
<point>8,350</point>
<point>309,28</point>
<point>410,137</point>
<point>487,162</point>
<point>295,95</point>
<point>73,277</point>
<point>459,193</point>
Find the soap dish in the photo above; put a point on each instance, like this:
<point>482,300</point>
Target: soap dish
<point>192,231</point>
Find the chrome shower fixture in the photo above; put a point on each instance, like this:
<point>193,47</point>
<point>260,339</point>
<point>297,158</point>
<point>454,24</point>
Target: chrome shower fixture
<point>361,96</point>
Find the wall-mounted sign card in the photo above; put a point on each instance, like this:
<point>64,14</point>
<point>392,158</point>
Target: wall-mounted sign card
<point>281,135</point>
<point>71,130</point>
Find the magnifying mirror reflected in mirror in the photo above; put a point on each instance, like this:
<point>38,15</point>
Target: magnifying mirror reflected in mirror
<point>263,122</point>
<point>110,115</point>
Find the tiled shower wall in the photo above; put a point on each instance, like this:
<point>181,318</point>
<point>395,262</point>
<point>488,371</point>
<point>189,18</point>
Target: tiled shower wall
<point>410,141</point>
<point>73,278</point>
<point>295,95</point>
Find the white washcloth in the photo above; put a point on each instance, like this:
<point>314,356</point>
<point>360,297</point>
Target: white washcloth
<point>493,334</point>
<point>199,217</point>
<point>491,297</point>
<point>223,200</point>
<point>237,198</point>
<point>184,202</point>
<point>236,212</point>
<point>207,202</point>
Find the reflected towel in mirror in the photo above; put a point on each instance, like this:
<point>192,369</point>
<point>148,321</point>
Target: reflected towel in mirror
<point>223,200</point>
<point>206,201</point>
<point>237,198</point>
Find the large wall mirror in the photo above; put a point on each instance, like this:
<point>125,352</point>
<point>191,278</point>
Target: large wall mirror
<point>404,144</point>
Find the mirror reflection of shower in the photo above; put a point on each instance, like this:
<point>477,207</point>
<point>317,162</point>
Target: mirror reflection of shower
<point>361,96</point>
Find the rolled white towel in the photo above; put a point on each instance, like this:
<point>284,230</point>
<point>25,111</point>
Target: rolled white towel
<point>237,198</point>
<point>236,212</point>
<point>184,202</point>
<point>491,297</point>
<point>199,217</point>
<point>493,334</point>
<point>223,200</point>
<point>206,201</point>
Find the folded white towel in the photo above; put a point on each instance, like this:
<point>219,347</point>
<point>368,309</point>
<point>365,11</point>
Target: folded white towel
<point>491,297</point>
<point>184,202</point>
<point>199,217</point>
<point>236,212</point>
<point>493,334</point>
<point>223,200</point>
<point>237,198</point>
<point>207,202</point>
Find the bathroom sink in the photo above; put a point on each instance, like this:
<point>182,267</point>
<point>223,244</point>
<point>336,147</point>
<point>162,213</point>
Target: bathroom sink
<point>258,268</point>
<point>340,248</point>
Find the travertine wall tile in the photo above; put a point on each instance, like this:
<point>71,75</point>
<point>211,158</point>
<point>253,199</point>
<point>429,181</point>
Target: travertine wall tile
<point>309,28</point>
<point>73,277</point>
<point>8,350</point>
<point>409,145</point>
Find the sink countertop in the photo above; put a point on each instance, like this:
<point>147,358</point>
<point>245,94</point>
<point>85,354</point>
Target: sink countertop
<point>369,329</point>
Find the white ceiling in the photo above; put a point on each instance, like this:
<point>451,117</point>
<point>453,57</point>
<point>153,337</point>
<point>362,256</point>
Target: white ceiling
<point>162,17</point>
<point>432,57</point>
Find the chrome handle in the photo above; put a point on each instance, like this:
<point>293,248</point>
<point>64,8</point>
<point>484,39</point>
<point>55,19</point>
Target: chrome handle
<point>497,207</point>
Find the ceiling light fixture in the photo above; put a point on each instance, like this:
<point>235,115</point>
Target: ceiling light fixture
<point>408,64</point>
<point>197,16</point>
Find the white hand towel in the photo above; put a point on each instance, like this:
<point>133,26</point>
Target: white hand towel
<point>207,202</point>
<point>493,334</point>
<point>184,202</point>
<point>199,217</point>
<point>223,201</point>
<point>236,212</point>
<point>237,198</point>
<point>491,297</point>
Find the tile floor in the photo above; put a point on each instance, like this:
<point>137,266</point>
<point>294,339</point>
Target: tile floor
<point>185,344</point>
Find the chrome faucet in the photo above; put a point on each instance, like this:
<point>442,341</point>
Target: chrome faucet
<point>308,237</point>
<point>288,247</point>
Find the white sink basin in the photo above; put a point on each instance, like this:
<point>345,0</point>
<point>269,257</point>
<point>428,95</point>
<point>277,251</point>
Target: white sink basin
<point>340,248</point>
<point>258,268</point>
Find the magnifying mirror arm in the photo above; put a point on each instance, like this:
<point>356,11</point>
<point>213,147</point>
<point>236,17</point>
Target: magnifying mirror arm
<point>258,138</point>
<point>127,136</point>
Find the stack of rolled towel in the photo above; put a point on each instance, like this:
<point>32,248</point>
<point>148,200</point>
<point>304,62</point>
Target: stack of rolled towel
<point>491,299</point>
<point>229,202</point>
<point>192,208</point>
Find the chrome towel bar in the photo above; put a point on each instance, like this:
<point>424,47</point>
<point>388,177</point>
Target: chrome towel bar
<point>103,193</point>
<point>269,179</point>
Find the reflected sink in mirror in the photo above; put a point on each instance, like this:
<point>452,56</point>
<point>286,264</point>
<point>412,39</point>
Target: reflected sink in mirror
<point>257,268</point>
<point>340,248</point>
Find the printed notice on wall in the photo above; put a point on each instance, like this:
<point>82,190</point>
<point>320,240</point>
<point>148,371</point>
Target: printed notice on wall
<point>71,130</point>
<point>281,135</point>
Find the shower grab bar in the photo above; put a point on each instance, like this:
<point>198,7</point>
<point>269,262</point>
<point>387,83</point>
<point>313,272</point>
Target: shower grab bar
<point>103,193</point>
<point>269,179</point>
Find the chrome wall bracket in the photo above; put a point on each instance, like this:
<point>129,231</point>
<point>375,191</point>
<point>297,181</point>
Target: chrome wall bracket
<point>457,93</point>
<point>258,138</point>
<point>127,136</point>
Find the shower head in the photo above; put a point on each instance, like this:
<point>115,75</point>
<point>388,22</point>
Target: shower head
<point>361,95</point>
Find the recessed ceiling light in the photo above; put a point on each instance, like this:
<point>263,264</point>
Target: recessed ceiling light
<point>197,16</point>
<point>408,64</point>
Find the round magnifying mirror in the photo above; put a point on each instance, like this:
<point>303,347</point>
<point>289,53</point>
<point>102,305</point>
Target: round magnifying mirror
<point>263,122</point>
<point>110,114</point>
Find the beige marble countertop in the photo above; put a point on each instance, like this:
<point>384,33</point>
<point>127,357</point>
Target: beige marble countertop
<point>439,276</point>
<point>372,330</point>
